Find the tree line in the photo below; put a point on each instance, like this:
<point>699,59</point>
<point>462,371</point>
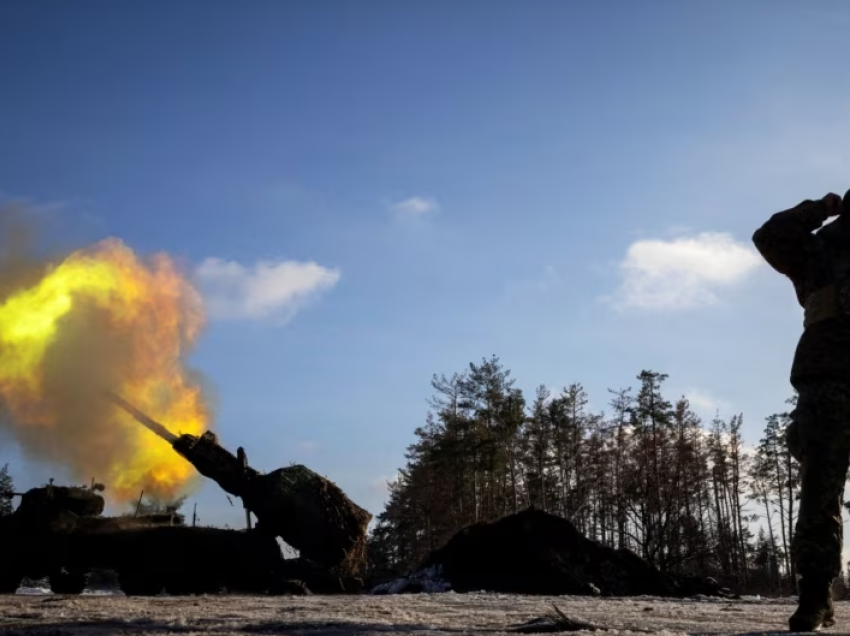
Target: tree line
<point>649,475</point>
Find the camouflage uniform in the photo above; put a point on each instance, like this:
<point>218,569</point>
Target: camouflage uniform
<point>819,436</point>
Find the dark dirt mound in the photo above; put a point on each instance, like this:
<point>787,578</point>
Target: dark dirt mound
<point>533,552</point>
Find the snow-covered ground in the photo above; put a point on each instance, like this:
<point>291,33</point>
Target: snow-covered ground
<point>445,613</point>
<point>42,588</point>
<point>430,580</point>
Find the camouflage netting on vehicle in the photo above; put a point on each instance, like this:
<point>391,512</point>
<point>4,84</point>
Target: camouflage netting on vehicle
<point>306,510</point>
<point>313,515</point>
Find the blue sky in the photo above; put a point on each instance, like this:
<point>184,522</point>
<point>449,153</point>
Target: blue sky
<point>571,186</point>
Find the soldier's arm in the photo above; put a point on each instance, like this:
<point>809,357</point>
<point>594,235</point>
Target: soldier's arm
<point>782,239</point>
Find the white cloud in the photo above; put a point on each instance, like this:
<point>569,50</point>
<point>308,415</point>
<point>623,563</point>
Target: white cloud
<point>682,272</point>
<point>233,291</point>
<point>414,207</point>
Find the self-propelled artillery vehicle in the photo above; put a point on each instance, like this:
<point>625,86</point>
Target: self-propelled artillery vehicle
<point>59,533</point>
<point>307,511</point>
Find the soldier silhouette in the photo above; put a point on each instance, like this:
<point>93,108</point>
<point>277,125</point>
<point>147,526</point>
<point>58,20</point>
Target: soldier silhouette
<point>818,265</point>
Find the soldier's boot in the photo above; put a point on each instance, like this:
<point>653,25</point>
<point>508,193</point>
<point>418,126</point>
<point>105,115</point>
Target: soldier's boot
<point>815,608</point>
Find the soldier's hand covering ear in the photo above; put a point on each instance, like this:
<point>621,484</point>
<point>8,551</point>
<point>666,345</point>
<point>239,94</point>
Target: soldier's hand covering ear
<point>832,203</point>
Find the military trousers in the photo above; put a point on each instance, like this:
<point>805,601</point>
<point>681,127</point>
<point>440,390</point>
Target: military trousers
<point>819,438</point>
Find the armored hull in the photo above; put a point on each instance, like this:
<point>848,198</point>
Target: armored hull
<point>59,533</point>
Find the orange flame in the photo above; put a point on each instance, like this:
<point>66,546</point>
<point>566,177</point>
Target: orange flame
<point>102,318</point>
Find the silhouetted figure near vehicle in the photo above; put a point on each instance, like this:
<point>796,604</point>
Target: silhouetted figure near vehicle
<point>818,265</point>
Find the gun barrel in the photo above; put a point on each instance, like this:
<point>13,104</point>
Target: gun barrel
<point>143,419</point>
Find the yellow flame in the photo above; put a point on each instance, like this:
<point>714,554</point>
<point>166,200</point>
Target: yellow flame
<point>155,315</point>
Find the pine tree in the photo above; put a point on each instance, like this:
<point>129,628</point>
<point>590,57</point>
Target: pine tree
<point>7,487</point>
<point>775,482</point>
<point>652,419</point>
<point>621,403</point>
<point>536,447</point>
<point>765,562</point>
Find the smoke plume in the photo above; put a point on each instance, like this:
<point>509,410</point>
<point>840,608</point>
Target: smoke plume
<point>77,323</point>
